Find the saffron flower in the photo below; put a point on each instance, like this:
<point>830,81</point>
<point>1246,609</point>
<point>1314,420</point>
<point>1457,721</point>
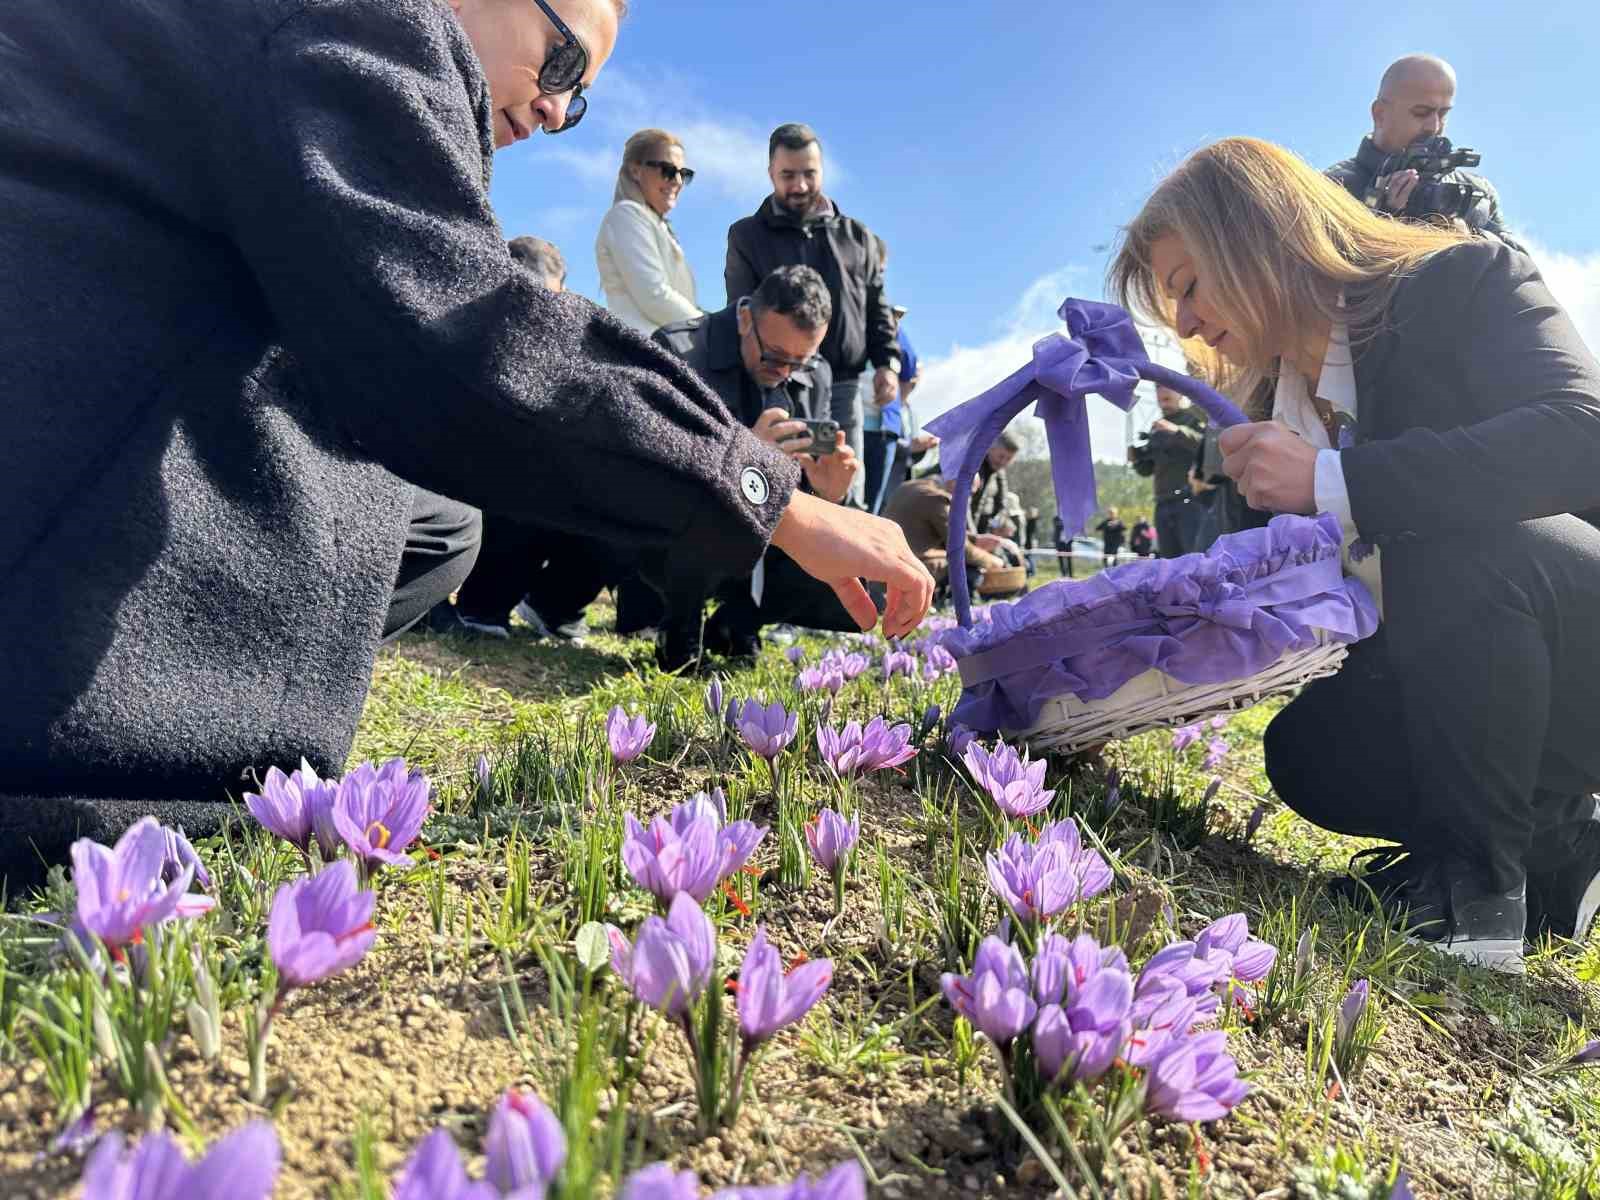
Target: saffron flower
<point>1249,959</point>
<point>1037,881</point>
<point>1195,1079</point>
<point>957,739</point>
<point>1015,784</point>
<point>434,1172</point>
<point>996,997</point>
<point>669,962</point>
<point>768,729</point>
<point>241,1166</point>
<point>1196,973</point>
<point>628,737</point>
<point>821,679</point>
<point>485,778</point>
<point>181,855</point>
<point>939,662</point>
<point>1059,964</point>
<point>1167,1012</point>
<point>831,838</point>
<point>290,806</point>
<point>1304,955</point>
<point>1083,1036</point>
<point>930,718</point>
<point>857,751</point>
<point>1216,751</point>
<point>713,699</point>
<point>1589,1054</point>
<point>795,654</point>
<point>525,1147</point>
<point>690,851</point>
<point>660,1182</point>
<point>898,662</point>
<point>320,926</point>
<point>851,666</point>
<point>1185,736</point>
<point>379,811</point>
<point>1350,1010</point>
<point>121,890</point>
<point>768,999</point>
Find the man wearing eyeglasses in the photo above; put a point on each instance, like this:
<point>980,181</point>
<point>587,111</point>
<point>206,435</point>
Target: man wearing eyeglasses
<point>261,347</point>
<point>760,356</point>
<point>798,224</point>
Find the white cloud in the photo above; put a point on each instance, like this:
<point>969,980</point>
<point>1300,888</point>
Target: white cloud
<point>1575,282</point>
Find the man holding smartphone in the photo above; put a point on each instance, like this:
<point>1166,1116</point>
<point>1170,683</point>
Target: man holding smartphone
<point>760,354</point>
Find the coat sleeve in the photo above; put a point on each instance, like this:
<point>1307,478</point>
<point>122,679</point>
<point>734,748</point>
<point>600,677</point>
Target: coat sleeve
<point>360,203</point>
<point>636,251</point>
<point>740,273</point>
<point>883,347</point>
<point>1523,362</point>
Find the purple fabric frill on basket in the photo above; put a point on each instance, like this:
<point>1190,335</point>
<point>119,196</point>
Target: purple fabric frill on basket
<point>1203,618</point>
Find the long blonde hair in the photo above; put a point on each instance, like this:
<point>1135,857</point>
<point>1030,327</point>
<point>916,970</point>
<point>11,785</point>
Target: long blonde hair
<point>640,148</point>
<point>1280,242</point>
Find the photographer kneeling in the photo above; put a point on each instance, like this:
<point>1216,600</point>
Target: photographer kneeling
<point>1424,387</point>
<point>1406,166</point>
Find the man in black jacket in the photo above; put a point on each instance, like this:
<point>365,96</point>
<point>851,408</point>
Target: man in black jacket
<point>1165,457</point>
<point>257,323</point>
<point>798,224</point>
<point>1415,98</point>
<point>760,356</point>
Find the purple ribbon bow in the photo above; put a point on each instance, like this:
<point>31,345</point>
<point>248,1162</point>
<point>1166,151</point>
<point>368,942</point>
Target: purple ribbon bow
<point>1101,354</point>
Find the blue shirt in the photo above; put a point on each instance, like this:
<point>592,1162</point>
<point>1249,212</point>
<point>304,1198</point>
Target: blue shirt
<point>888,418</point>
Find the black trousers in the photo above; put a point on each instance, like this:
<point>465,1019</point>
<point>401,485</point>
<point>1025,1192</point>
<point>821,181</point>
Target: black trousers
<point>1173,524</point>
<point>788,596</point>
<point>1471,721</point>
<point>559,573</point>
<point>442,542</point>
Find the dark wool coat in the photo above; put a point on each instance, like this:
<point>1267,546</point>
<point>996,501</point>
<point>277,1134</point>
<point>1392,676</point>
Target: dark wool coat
<point>252,293</point>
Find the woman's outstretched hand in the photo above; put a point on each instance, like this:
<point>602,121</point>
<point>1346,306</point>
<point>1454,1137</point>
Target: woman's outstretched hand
<point>1276,469</point>
<point>842,546</point>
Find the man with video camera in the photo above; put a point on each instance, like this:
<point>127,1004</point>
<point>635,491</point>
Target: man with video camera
<point>1407,167</point>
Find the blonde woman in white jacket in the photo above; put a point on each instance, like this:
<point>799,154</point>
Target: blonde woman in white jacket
<point>646,279</point>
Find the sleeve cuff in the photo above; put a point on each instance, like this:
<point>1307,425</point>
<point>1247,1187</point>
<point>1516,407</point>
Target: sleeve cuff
<point>1329,488</point>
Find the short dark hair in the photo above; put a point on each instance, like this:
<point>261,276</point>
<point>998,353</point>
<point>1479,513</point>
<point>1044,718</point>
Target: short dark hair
<point>791,137</point>
<point>797,293</point>
<point>540,257</point>
<point>1009,441</point>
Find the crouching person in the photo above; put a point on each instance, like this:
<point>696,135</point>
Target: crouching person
<point>760,356</point>
<point>922,510</point>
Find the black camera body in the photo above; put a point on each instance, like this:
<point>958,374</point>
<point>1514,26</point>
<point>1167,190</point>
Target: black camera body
<point>1432,159</point>
<point>824,437</point>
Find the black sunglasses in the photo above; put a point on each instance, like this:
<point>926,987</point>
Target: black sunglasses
<point>769,357</point>
<point>671,171</point>
<point>562,70</point>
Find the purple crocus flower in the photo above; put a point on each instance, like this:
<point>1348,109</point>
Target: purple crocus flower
<point>795,654</point>
<point>1015,784</point>
<point>820,679</point>
<point>1060,964</point>
<point>241,1166</point>
<point>844,1182</point>
<point>930,718</point>
<point>122,890</point>
<point>1350,1010</point>
<point>628,737</point>
<point>957,739</point>
<point>769,729</point>
<point>857,751</point>
<point>485,777</point>
<point>1402,1188</point>
<point>939,662</point>
<point>1195,1079</point>
<point>1257,815</point>
<point>831,838</point>
<point>660,1182</point>
<point>1167,1011</point>
<point>181,856</point>
<point>525,1146</point>
<point>1084,1036</point>
<point>690,851</point>
<point>1216,751</point>
<point>1035,882</point>
<point>713,699</point>
<point>768,999</point>
<point>1185,736</point>
<point>379,811</point>
<point>851,666</point>
<point>669,963</point>
<point>898,662</point>
<point>996,997</point>
<point>1197,974</point>
<point>320,926</point>
<point>1589,1054</point>
<point>435,1172</point>
<point>289,806</point>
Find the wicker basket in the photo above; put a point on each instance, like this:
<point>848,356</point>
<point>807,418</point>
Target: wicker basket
<point>1004,581</point>
<point>1032,650</point>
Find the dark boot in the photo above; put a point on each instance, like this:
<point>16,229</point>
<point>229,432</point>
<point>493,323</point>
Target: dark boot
<point>1564,879</point>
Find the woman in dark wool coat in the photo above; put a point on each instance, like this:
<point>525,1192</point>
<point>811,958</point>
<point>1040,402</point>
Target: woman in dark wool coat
<point>264,345</point>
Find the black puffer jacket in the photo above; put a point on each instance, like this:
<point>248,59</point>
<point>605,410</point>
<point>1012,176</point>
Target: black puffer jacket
<point>1357,174</point>
<point>844,252</point>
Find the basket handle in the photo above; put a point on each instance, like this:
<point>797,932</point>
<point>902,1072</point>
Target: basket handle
<point>1101,354</point>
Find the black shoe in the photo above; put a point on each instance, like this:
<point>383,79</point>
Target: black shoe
<point>445,617</point>
<point>679,649</point>
<point>1451,909</point>
<point>1564,879</point>
<point>731,643</point>
<point>1378,875</point>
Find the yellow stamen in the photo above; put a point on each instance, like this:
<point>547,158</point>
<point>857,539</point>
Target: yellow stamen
<point>382,840</point>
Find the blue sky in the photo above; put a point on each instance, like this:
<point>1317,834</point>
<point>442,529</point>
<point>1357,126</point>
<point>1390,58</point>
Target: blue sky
<point>997,147</point>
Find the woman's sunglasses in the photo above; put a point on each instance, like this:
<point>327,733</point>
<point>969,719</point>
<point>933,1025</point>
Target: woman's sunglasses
<point>671,171</point>
<point>563,68</point>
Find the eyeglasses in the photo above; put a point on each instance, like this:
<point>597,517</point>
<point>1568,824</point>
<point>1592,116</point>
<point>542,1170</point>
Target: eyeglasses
<point>770,358</point>
<point>562,70</point>
<point>671,171</point>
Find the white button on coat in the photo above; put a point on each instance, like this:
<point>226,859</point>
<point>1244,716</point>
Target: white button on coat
<point>754,485</point>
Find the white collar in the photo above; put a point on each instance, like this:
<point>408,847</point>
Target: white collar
<point>1292,401</point>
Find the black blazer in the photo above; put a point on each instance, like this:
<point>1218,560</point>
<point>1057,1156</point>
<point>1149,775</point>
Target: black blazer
<point>1479,403</point>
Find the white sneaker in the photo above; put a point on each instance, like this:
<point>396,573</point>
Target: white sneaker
<point>532,619</point>
<point>483,628</point>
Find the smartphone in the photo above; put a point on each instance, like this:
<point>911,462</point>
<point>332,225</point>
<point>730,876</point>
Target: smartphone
<point>824,437</point>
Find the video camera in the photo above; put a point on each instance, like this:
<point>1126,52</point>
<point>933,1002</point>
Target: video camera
<point>1432,159</point>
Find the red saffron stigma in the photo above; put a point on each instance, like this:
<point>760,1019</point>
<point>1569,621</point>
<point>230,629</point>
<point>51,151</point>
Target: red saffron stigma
<point>727,890</point>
